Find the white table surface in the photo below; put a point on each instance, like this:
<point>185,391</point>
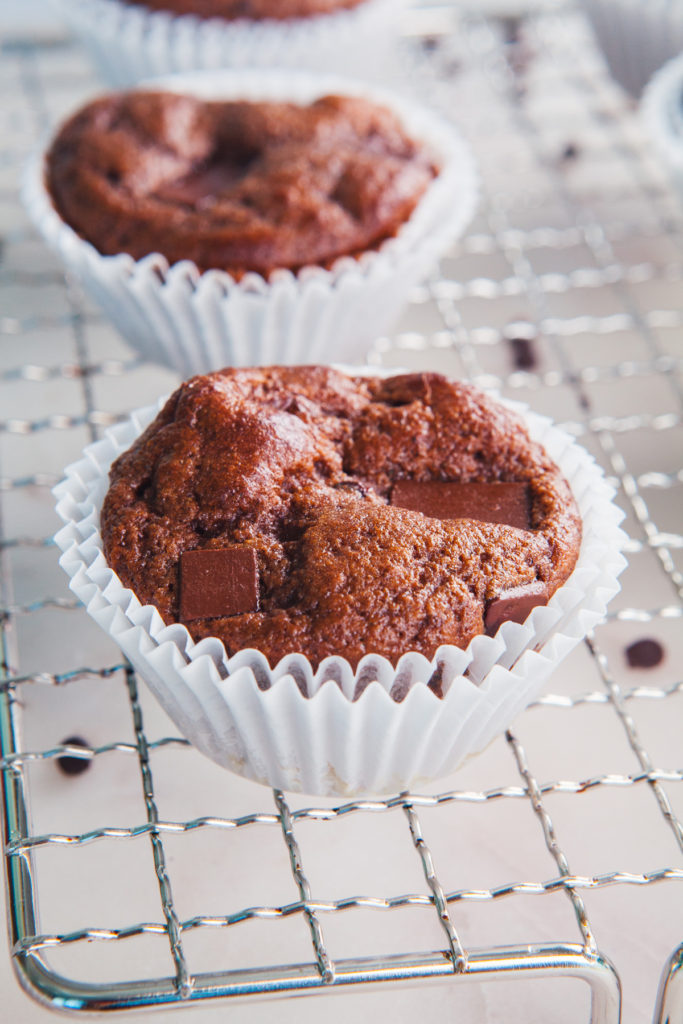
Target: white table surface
<point>475,845</point>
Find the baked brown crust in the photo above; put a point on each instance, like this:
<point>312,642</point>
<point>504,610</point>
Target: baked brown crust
<point>298,464</point>
<point>252,10</point>
<point>236,185</point>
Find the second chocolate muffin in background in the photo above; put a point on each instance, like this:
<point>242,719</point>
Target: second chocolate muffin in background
<point>296,213</point>
<point>297,481</point>
<point>236,186</point>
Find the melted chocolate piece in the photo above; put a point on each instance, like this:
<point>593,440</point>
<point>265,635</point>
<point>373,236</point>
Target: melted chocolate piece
<point>200,189</point>
<point>644,654</point>
<point>69,764</point>
<point>487,503</point>
<point>514,605</point>
<point>218,582</point>
<point>352,485</point>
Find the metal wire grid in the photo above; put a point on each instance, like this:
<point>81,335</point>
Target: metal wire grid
<point>504,55</point>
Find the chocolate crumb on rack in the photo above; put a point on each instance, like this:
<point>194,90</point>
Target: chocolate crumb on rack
<point>69,764</point>
<point>645,653</point>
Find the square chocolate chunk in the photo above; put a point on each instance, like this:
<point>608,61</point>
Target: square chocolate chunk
<point>488,503</point>
<point>218,582</point>
<point>514,605</point>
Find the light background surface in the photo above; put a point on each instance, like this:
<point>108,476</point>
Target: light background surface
<point>587,246</point>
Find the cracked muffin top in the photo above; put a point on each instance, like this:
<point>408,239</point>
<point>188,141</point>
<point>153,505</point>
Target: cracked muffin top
<point>253,10</point>
<point>240,186</point>
<point>301,476</point>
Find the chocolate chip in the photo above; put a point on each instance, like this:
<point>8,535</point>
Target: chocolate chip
<point>69,764</point>
<point>521,335</point>
<point>514,605</point>
<point>570,151</point>
<point>523,353</point>
<point>488,503</point>
<point>405,388</point>
<point>511,26</point>
<point>218,582</point>
<point>644,654</point>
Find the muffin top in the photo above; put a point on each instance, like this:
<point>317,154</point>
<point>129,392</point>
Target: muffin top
<point>253,10</point>
<point>303,510</point>
<point>239,186</point>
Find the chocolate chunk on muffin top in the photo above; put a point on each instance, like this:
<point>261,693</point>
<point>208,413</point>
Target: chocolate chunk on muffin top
<point>254,10</point>
<point>298,465</point>
<point>239,186</point>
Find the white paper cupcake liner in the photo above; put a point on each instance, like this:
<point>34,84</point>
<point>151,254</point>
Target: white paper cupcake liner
<point>636,36</point>
<point>129,43</point>
<point>297,729</point>
<point>662,114</point>
<point>198,322</point>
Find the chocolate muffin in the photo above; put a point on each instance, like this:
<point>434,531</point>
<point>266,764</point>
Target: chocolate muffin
<point>252,10</point>
<point>303,510</point>
<point>241,186</point>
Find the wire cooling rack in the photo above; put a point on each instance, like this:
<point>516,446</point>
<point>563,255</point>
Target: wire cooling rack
<point>154,878</point>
